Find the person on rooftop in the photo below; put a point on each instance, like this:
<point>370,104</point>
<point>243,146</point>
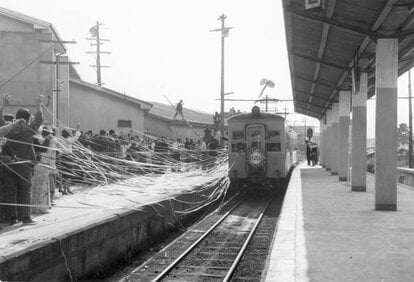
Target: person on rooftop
<point>179,109</point>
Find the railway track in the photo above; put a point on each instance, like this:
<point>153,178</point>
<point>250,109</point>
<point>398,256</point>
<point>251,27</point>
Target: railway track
<point>221,247</point>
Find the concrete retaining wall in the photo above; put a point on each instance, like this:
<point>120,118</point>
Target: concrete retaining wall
<point>92,250</point>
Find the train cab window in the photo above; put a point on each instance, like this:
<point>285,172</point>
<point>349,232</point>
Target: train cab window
<point>237,135</point>
<point>256,139</point>
<point>273,135</point>
<point>273,147</point>
<point>239,147</point>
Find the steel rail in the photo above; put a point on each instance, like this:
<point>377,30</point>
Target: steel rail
<point>246,243</point>
<point>185,253</point>
<point>181,236</point>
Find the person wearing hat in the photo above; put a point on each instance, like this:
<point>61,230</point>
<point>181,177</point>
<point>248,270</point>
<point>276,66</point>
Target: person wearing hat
<point>19,169</point>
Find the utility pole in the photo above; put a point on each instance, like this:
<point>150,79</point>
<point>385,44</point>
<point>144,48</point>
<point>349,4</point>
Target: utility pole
<point>96,36</point>
<point>410,124</point>
<point>224,33</point>
<point>58,82</point>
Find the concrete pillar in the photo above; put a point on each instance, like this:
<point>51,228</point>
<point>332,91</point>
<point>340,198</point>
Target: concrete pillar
<point>359,136</point>
<point>321,135</point>
<point>328,131</point>
<point>386,124</point>
<point>335,139</point>
<point>324,143</point>
<point>344,120</point>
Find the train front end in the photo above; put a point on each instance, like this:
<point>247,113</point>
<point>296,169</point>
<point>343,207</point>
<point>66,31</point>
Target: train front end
<point>257,149</point>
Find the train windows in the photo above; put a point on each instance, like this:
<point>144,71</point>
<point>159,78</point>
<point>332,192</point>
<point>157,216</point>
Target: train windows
<point>273,135</point>
<point>239,147</point>
<point>238,135</point>
<point>273,147</point>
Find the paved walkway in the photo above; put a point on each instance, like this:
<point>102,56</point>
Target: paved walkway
<point>328,233</point>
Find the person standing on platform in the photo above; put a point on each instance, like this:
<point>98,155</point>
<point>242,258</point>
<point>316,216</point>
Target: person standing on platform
<point>204,153</point>
<point>10,123</point>
<point>308,153</point>
<point>212,147</point>
<point>314,152</point>
<point>66,164</point>
<point>179,109</point>
<point>216,121</point>
<point>40,179</point>
<point>175,154</point>
<point>49,160</point>
<point>19,149</point>
<point>161,151</point>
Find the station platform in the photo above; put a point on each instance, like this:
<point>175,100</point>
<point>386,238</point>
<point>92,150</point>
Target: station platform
<point>97,227</point>
<point>328,233</point>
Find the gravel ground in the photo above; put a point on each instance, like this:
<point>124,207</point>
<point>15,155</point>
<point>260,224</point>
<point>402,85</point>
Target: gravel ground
<point>212,258</point>
<point>252,264</point>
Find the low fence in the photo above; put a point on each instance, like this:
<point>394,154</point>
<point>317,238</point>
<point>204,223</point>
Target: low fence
<point>406,176</point>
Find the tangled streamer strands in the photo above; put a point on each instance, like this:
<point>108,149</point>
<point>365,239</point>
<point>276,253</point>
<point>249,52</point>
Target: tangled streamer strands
<point>141,170</point>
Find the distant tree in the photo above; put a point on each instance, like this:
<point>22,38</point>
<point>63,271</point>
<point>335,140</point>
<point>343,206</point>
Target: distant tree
<point>402,134</point>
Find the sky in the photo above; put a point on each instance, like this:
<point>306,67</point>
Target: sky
<point>164,47</point>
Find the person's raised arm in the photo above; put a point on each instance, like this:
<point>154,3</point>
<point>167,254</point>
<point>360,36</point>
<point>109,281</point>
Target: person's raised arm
<point>38,116</point>
<point>75,138</point>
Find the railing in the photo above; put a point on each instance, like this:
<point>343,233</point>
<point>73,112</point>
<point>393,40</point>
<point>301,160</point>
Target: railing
<point>406,176</point>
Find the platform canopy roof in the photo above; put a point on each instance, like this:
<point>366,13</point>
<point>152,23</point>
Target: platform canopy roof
<point>325,43</point>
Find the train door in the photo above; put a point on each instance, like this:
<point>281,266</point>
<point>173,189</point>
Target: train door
<point>256,151</point>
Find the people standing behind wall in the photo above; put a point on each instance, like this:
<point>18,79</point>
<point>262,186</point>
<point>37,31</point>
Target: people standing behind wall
<point>175,150</point>
<point>21,158</point>
<point>175,154</point>
<point>161,151</point>
<point>204,153</point>
<point>212,147</point>
<point>187,143</point>
<point>100,142</point>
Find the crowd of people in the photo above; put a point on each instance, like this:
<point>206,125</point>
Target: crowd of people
<point>37,159</point>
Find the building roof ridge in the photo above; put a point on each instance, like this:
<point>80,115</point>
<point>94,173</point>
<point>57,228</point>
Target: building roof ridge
<point>109,91</point>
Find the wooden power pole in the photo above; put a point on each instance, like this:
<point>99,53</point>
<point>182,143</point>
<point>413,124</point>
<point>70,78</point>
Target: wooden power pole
<point>96,37</point>
<point>57,82</point>
<point>224,33</point>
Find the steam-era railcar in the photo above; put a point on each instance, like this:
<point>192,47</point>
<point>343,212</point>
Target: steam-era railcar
<point>262,150</point>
